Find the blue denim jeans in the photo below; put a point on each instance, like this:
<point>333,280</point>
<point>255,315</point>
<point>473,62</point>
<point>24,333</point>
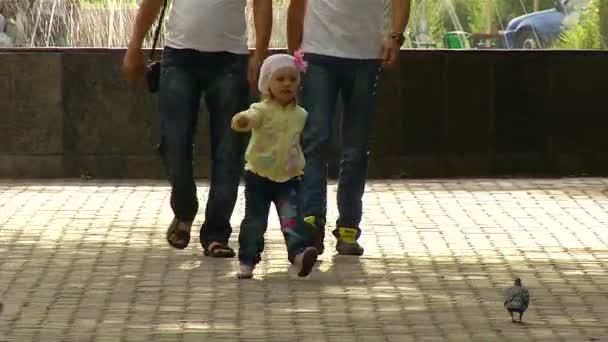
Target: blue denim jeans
<point>260,193</point>
<point>185,76</point>
<point>355,80</point>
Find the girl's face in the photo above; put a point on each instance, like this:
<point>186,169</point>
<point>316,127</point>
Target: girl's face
<point>284,85</point>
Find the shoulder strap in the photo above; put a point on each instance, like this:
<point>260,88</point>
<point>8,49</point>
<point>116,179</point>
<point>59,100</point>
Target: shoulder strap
<point>158,28</point>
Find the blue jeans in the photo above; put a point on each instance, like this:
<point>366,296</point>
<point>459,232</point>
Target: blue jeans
<point>185,76</point>
<point>356,81</point>
<point>260,192</point>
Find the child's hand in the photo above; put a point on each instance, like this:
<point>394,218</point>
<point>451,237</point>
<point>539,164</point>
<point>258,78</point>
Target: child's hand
<point>245,120</point>
<point>242,122</point>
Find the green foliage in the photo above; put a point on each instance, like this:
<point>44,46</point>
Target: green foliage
<point>473,16</point>
<point>433,14</point>
<point>603,8</point>
<point>477,15</point>
<point>587,33</point>
<point>491,16</point>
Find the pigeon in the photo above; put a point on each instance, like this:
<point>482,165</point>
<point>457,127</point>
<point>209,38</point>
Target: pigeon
<point>517,299</point>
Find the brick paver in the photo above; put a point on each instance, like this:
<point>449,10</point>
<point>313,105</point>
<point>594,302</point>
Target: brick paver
<point>87,261</point>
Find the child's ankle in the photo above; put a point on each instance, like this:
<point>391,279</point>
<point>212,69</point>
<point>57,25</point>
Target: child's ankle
<point>245,271</point>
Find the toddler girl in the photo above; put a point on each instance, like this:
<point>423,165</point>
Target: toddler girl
<point>275,163</point>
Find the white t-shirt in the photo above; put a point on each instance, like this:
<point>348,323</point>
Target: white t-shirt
<point>208,25</point>
<point>344,28</point>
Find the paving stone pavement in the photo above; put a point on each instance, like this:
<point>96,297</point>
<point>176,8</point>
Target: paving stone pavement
<point>87,261</point>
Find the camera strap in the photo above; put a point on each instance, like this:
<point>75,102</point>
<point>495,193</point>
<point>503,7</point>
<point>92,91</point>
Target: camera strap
<point>158,28</point>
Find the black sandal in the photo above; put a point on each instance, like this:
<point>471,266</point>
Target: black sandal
<point>217,250</point>
<point>177,238</point>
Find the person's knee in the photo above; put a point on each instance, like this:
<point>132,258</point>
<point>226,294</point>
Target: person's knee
<point>252,228</point>
<point>223,195</point>
<point>178,161</point>
<point>178,152</point>
<point>230,166</point>
<point>315,144</point>
<point>226,176</point>
<point>229,152</point>
<point>355,155</point>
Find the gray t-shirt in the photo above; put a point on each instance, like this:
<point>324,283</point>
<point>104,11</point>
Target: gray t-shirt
<point>208,25</point>
<point>344,28</point>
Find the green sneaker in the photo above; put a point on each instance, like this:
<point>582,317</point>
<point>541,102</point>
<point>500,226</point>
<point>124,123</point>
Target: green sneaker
<point>347,241</point>
<point>318,233</point>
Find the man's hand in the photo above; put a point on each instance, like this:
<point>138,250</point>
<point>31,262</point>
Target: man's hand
<point>253,71</point>
<point>390,52</point>
<point>262,20</point>
<point>295,24</point>
<point>133,64</point>
<point>391,46</point>
<point>133,61</point>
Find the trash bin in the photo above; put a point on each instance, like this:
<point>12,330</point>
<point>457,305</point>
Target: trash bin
<point>457,40</point>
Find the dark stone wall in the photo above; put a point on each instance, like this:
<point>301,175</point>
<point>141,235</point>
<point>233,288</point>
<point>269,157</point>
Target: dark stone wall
<point>441,113</point>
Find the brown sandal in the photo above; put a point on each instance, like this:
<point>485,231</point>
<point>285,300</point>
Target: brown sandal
<point>217,250</point>
<point>177,238</point>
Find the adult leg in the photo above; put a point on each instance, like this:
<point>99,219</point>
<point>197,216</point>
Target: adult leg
<point>358,83</point>
<point>179,98</point>
<point>318,95</point>
<point>227,94</point>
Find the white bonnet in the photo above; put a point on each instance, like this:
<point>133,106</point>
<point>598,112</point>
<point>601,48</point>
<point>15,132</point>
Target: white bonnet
<point>276,62</point>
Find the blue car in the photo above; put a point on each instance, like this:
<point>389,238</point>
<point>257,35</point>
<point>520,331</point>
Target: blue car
<point>540,29</point>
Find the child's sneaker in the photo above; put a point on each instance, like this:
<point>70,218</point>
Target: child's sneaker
<point>306,260</point>
<point>245,271</point>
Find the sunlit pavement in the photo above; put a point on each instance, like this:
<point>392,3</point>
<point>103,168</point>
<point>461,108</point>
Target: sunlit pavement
<point>88,261</point>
